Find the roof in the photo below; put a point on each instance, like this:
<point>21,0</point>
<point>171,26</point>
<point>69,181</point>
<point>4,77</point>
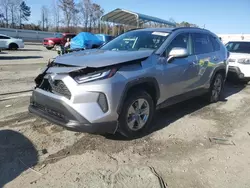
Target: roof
<point>121,16</point>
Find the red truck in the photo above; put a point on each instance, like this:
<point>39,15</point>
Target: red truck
<point>59,39</point>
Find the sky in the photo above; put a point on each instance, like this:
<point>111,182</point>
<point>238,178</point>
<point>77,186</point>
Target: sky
<point>219,16</point>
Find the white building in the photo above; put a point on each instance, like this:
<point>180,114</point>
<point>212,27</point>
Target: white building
<point>235,37</point>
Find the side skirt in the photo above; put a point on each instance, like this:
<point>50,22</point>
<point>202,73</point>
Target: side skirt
<point>180,98</point>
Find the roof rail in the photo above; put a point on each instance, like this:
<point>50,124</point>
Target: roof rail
<point>195,28</point>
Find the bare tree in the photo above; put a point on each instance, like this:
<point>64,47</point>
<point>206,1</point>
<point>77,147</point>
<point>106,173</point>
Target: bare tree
<point>5,6</point>
<point>68,8</point>
<point>44,17</point>
<point>97,13</point>
<point>86,11</point>
<point>14,6</point>
<point>56,14</point>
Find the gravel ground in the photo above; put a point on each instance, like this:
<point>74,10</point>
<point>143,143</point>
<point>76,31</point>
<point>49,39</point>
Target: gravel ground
<point>192,144</point>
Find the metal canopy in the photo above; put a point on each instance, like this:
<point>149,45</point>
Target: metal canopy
<point>121,16</point>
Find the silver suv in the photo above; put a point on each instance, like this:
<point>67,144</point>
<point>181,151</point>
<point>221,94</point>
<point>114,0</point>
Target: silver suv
<point>119,86</point>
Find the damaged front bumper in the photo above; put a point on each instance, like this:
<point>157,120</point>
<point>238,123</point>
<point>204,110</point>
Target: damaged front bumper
<point>60,113</point>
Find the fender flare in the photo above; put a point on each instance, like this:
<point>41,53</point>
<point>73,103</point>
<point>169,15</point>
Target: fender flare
<point>129,85</point>
<point>217,69</point>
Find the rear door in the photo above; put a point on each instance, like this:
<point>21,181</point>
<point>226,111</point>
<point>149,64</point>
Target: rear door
<point>207,57</point>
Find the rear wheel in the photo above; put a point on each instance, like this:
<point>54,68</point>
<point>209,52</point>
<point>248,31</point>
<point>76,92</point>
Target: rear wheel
<point>137,114</point>
<point>216,88</point>
<point>13,46</point>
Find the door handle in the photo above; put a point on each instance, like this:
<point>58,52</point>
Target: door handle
<point>193,63</point>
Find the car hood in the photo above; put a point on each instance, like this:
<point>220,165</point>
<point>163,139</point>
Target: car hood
<point>239,55</point>
<point>101,58</point>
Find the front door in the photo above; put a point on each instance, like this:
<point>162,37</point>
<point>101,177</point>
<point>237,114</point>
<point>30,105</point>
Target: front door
<point>180,74</point>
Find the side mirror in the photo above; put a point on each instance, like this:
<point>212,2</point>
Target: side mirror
<point>177,53</point>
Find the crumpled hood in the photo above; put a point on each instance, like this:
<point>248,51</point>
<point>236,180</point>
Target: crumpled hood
<point>100,58</point>
<point>238,55</point>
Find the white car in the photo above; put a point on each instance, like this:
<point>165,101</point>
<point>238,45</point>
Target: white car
<point>239,60</point>
<point>11,43</point>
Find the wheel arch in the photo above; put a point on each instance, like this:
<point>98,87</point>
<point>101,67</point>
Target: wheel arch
<point>13,43</point>
<point>149,84</point>
<point>220,69</point>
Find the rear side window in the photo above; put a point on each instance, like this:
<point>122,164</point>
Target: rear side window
<point>4,37</point>
<point>202,43</point>
<point>215,42</point>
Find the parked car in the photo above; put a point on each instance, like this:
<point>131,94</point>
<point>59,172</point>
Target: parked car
<point>119,87</point>
<point>11,43</point>
<point>59,39</point>
<point>239,61</point>
<point>105,38</point>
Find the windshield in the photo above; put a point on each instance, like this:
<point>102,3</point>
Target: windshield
<point>137,40</point>
<point>58,35</point>
<point>238,47</point>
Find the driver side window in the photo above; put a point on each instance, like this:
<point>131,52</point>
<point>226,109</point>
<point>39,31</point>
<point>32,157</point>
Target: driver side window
<point>181,41</point>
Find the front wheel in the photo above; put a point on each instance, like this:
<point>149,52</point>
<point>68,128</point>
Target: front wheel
<point>137,114</point>
<point>216,88</point>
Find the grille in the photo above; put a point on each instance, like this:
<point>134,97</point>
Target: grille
<point>59,87</point>
<point>56,86</point>
<point>49,111</point>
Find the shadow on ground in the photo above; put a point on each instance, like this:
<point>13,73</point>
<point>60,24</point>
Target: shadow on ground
<point>19,57</point>
<point>17,154</point>
<point>29,50</point>
<point>165,117</point>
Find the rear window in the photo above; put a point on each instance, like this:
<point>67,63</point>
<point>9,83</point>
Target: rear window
<point>4,37</point>
<point>238,47</point>
<point>202,43</point>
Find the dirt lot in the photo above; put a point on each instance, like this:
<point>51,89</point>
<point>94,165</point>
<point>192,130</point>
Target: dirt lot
<point>191,145</point>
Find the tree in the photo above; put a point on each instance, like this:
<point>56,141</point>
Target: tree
<point>97,13</point>
<point>68,8</point>
<point>1,19</point>
<point>56,14</point>
<point>44,17</point>
<point>86,10</point>
<point>5,6</point>
<point>25,12</point>
<point>14,5</point>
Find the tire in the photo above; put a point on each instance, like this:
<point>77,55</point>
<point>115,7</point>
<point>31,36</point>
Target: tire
<point>130,114</point>
<point>216,88</point>
<point>13,46</point>
<point>49,48</point>
<point>244,82</point>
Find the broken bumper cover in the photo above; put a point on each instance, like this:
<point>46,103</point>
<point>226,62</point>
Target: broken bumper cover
<point>58,112</point>
<point>235,72</point>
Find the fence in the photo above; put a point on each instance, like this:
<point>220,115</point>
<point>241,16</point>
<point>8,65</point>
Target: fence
<point>38,36</point>
<point>27,35</point>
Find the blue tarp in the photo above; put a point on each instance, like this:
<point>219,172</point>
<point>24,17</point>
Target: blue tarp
<point>85,40</point>
<point>105,38</point>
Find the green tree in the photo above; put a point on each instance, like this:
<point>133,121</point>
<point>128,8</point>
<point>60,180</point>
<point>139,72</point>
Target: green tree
<point>25,12</point>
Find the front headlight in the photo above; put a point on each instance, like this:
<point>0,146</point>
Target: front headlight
<point>96,76</point>
<point>244,61</point>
